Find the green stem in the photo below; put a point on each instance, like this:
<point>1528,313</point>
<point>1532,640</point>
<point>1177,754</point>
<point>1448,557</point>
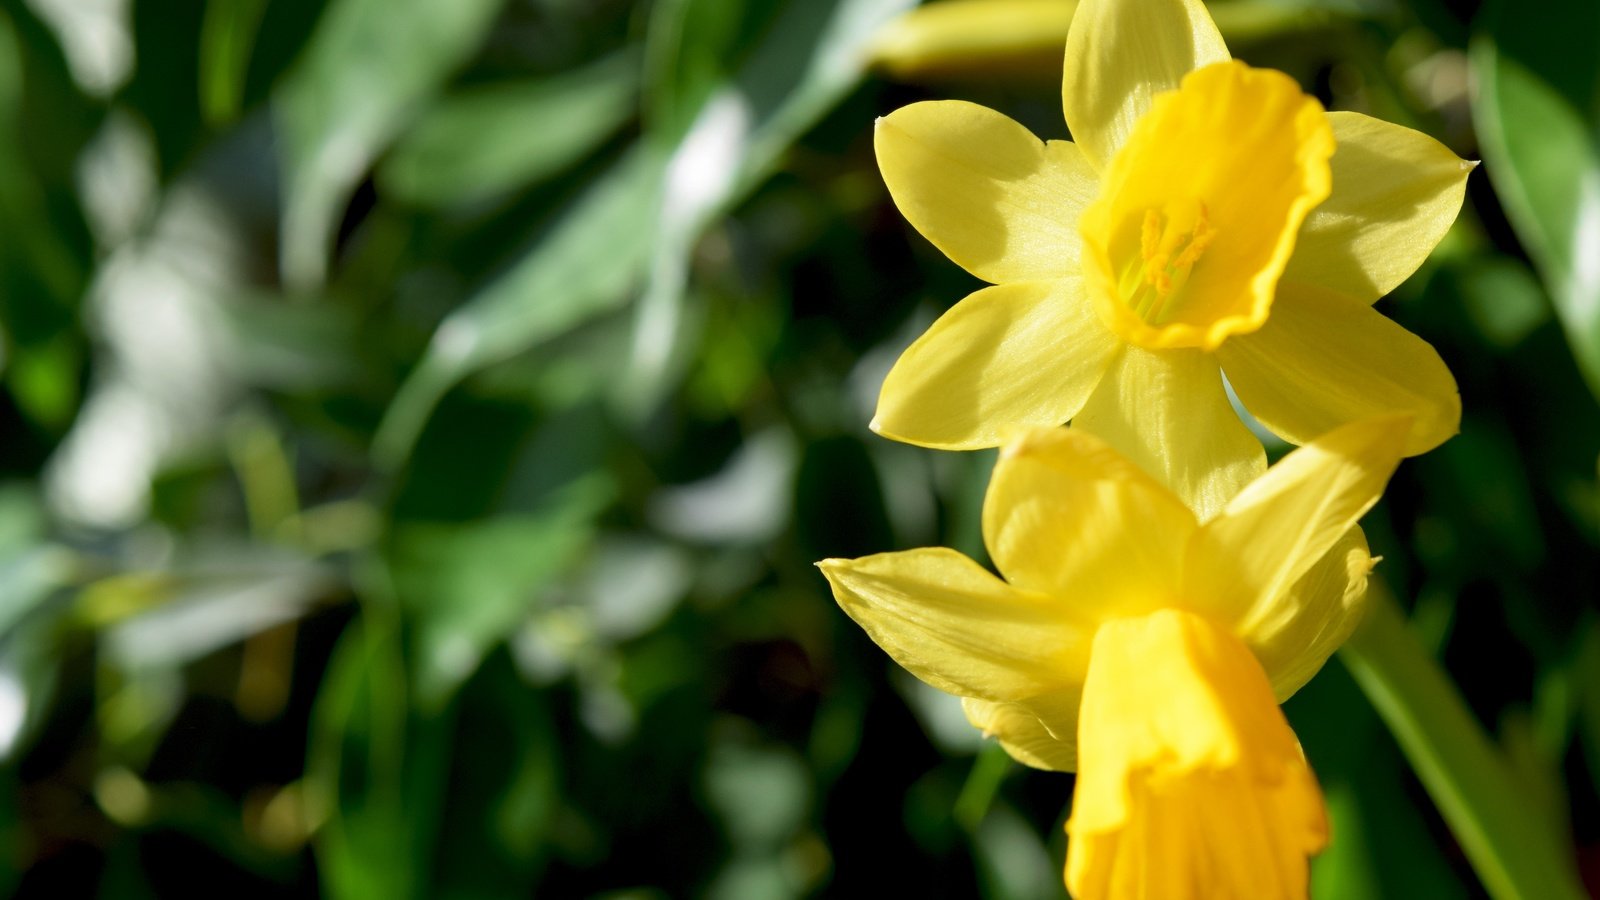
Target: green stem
<point>977,795</point>
<point>1516,854</point>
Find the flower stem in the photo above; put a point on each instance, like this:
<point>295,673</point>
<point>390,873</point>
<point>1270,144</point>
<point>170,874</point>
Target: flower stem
<point>977,795</point>
<point>1516,854</point>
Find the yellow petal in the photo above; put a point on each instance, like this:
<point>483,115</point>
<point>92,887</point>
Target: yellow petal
<point>1395,193</point>
<point>1120,54</point>
<point>1293,635</point>
<point>1325,359</point>
<point>1190,784</point>
<point>1068,516</point>
<point>957,627</point>
<point>1167,411</point>
<point>1288,519</point>
<point>998,201</point>
<point>1006,356</point>
<point>1022,735</point>
<point>1198,213</point>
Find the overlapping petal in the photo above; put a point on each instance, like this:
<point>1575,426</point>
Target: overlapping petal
<point>1068,516</point>
<point>1287,520</point>
<point>1023,354</point>
<point>1023,735</point>
<point>1325,359</point>
<point>1295,633</point>
<point>1168,412</point>
<point>951,623</point>
<point>1396,192</point>
<point>998,201</point>
<point>1120,54</point>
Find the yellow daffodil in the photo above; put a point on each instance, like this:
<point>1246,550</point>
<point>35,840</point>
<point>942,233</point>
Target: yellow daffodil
<point>1209,217</point>
<point>1146,650</point>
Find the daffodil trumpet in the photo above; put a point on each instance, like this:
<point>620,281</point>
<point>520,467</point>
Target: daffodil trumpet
<point>1207,218</point>
<point>1147,650</point>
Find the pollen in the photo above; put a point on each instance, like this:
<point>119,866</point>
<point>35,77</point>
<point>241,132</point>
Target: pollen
<point>1171,242</point>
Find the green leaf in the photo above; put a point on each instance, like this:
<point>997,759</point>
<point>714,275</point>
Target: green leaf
<point>646,214</point>
<point>42,272</point>
<point>226,35</point>
<point>468,585</point>
<point>505,787</point>
<point>1516,855</point>
<point>291,347</point>
<point>1539,122</point>
<point>496,138</point>
<point>378,774</point>
<point>31,572</point>
<point>691,46</point>
<point>44,382</point>
<point>1502,298</point>
<point>366,68</point>
<point>1381,848</point>
<point>584,266</point>
<point>806,62</point>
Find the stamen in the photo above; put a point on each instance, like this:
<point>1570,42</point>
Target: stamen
<point>1171,241</point>
<point>1151,236</point>
<point>1199,240</point>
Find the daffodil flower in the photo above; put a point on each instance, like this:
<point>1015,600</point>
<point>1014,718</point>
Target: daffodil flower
<point>1146,650</point>
<point>1209,217</point>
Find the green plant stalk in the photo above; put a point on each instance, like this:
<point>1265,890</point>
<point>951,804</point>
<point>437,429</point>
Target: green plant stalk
<point>1516,854</point>
<point>983,783</point>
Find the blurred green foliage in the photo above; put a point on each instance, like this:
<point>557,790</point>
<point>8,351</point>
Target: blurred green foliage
<point>420,419</point>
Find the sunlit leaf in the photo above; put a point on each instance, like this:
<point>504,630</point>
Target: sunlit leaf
<point>213,602</point>
<point>365,70</point>
<point>806,62</point>
<point>1539,120</point>
<point>469,584</point>
<point>492,139</point>
<point>646,214</point>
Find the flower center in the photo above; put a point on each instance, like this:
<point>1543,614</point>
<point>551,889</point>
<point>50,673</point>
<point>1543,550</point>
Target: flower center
<point>1171,241</point>
<point>1199,209</point>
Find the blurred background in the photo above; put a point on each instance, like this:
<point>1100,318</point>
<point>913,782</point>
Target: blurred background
<point>418,420</point>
